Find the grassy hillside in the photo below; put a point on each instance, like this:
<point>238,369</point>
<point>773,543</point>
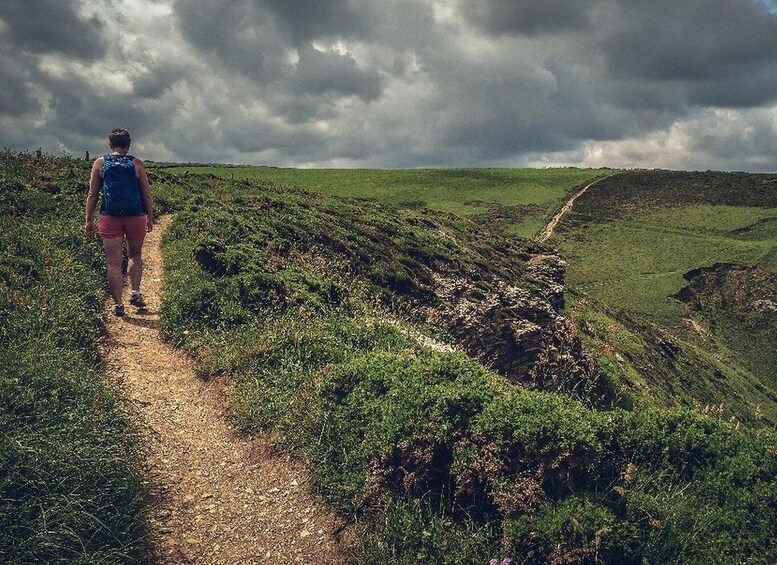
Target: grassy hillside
<point>315,309</point>
<point>69,489</point>
<point>629,243</point>
<point>631,239</point>
<point>307,305</point>
<point>632,244</point>
<point>515,201</point>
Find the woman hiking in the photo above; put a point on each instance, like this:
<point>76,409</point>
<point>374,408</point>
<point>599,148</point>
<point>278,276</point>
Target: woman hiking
<point>126,211</point>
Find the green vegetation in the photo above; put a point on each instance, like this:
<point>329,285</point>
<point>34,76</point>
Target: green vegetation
<point>637,261</point>
<point>653,368</point>
<point>309,305</point>
<point>630,239</point>
<point>631,243</point>
<point>69,491</point>
<point>513,201</point>
<point>740,303</point>
<point>306,304</point>
<point>628,242</point>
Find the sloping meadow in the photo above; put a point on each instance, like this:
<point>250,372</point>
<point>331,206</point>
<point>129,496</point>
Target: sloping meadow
<point>676,276</point>
<point>309,306</point>
<point>69,489</point>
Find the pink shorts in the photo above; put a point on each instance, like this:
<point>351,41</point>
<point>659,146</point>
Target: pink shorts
<point>131,227</point>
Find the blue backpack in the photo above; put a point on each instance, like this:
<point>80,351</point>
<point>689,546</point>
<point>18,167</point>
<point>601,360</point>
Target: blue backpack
<point>121,190</point>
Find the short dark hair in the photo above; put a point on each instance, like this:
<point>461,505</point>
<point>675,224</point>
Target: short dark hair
<point>119,137</point>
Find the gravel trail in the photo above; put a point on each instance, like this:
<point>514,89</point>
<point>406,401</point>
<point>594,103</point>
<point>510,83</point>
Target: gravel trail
<point>216,497</point>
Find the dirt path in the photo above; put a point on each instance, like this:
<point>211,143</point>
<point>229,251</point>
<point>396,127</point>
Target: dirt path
<point>215,497</point>
<point>547,233</point>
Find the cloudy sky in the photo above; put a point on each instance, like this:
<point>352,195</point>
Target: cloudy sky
<point>689,84</point>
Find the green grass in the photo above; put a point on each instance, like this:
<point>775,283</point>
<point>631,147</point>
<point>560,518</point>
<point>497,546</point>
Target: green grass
<point>635,263</point>
<point>516,201</point>
<point>69,485</point>
<point>700,374</point>
<point>431,455</point>
<point>629,242</point>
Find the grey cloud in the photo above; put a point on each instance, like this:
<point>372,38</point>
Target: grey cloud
<point>747,141</point>
<point>706,139</point>
<point>537,92</point>
<point>491,108</point>
<point>528,16</point>
<point>410,83</point>
<point>296,24</point>
<point>691,40</point>
<point>81,113</point>
<point>304,20</point>
<point>257,136</point>
<point>157,80</point>
<point>271,43</point>
<point>257,37</point>
<point>240,34</point>
<point>713,52</point>
<point>52,26</point>
<point>664,54</point>
<point>15,97</point>
<point>318,72</point>
<point>150,85</point>
<point>301,109</point>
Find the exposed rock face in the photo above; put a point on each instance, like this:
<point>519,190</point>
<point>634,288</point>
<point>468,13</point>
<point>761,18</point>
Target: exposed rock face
<point>519,331</point>
<point>505,326</point>
<point>549,271</point>
<point>741,289</point>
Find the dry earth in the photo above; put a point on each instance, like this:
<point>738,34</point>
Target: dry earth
<point>215,497</point>
<point>547,232</point>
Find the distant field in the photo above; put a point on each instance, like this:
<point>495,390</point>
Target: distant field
<point>635,263</point>
<point>515,201</point>
<point>630,239</point>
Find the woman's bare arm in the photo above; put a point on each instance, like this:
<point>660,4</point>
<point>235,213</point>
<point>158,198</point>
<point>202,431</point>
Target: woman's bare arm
<point>91,199</point>
<point>145,191</point>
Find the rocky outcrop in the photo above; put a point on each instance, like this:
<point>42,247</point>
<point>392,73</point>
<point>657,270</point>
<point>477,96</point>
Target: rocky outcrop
<point>504,326</point>
<point>517,329</point>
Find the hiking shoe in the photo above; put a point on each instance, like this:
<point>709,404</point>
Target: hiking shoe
<point>118,309</point>
<point>137,300</point>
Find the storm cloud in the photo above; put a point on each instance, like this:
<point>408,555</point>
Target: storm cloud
<point>52,26</point>
<point>397,84</point>
<point>528,17</point>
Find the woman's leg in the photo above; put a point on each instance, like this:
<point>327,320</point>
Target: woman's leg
<point>113,254</point>
<point>135,270</point>
<point>135,232</point>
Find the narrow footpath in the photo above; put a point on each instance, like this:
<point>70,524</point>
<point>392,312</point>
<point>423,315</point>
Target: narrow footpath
<point>216,497</point>
<point>547,232</point>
